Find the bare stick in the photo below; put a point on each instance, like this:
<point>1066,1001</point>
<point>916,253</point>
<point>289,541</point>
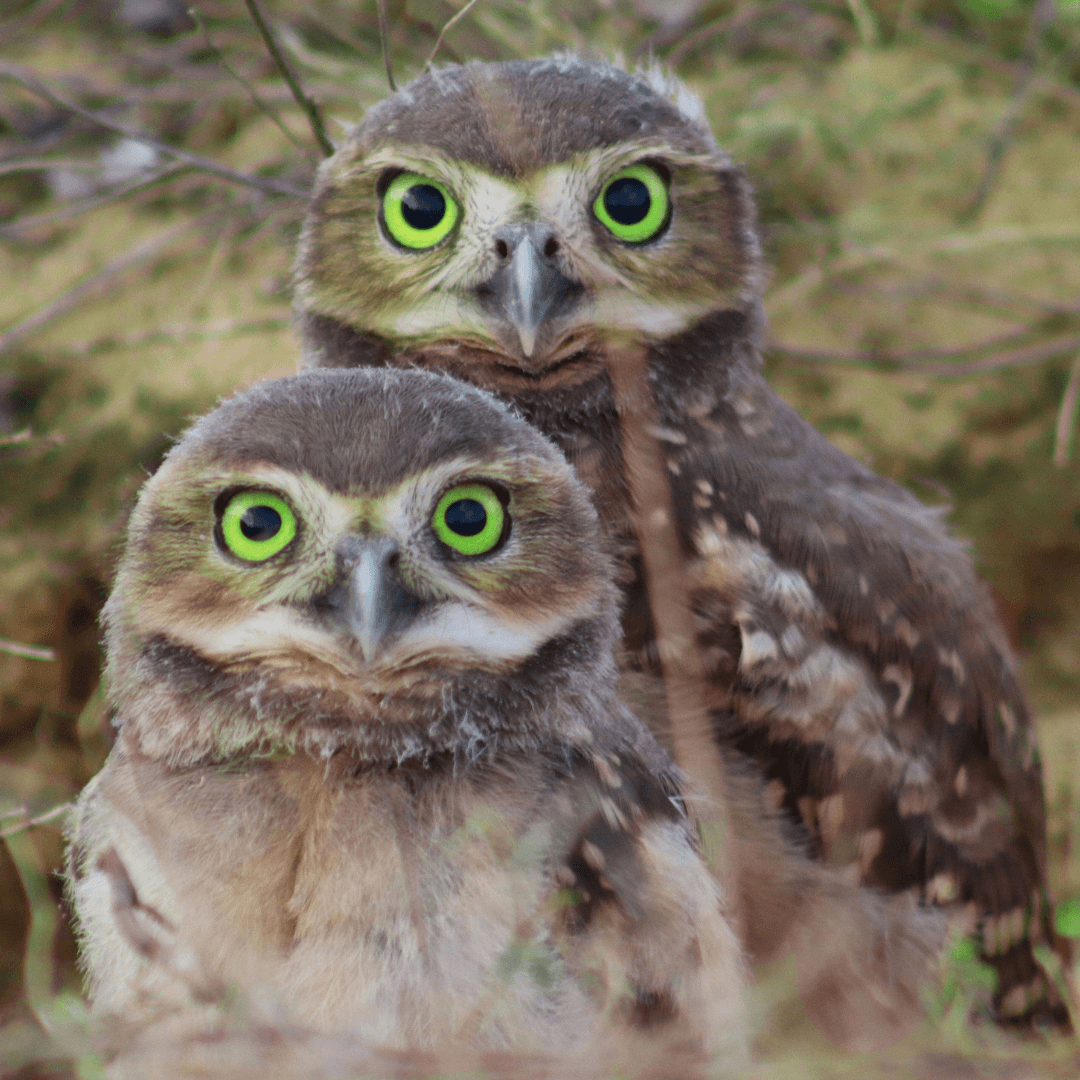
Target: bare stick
<point>84,206</point>
<point>252,92</point>
<point>442,33</point>
<point>1031,354</point>
<point>260,183</point>
<point>695,749</point>
<point>32,164</point>
<point>311,110</point>
<point>106,279</point>
<point>1068,95</point>
<point>175,335</point>
<point>384,41</point>
<point>30,823</point>
<point>698,38</point>
<point>1066,420</point>
<point>17,648</point>
<point>999,141</point>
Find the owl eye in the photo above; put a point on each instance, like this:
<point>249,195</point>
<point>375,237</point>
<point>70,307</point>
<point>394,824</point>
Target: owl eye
<point>257,525</point>
<point>418,212</point>
<point>470,519</point>
<point>634,204</point>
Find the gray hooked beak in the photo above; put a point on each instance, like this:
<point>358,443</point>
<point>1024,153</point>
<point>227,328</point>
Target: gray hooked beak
<point>529,285</point>
<point>373,600</point>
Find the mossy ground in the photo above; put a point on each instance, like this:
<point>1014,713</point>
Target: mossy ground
<point>866,130</point>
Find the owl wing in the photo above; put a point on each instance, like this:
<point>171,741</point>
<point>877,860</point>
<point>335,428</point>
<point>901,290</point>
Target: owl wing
<point>856,656</point>
<point>127,914</point>
<point>638,918</point>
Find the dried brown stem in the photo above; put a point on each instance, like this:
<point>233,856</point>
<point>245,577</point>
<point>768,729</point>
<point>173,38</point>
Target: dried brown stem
<point>17,648</point>
<point>999,141</point>
<point>307,103</point>
<point>31,823</point>
<point>698,38</point>
<point>1031,354</point>
<point>105,280</point>
<point>255,96</point>
<point>84,206</point>
<point>384,42</point>
<point>1067,95</point>
<point>1066,421</point>
<point>442,33</point>
<point>259,183</point>
<point>695,749</point>
<point>176,335</point>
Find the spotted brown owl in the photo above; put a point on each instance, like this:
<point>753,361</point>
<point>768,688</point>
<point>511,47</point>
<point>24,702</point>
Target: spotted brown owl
<point>514,225</point>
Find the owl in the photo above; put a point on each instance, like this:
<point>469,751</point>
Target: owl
<point>370,764</point>
<point>515,225</point>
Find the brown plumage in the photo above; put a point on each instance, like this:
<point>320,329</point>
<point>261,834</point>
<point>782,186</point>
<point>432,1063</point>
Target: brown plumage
<point>381,785</point>
<point>852,652</point>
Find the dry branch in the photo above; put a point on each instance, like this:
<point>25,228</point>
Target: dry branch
<point>695,749</point>
<point>1066,421</point>
<point>384,41</point>
<point>104,281</point>
<point>442,33</point>
<point>261,183</point>
<point>83,206</point>
<point>311,110</point>
<point>29,822</point>
<point>917,361</point>
<point>17,648</point>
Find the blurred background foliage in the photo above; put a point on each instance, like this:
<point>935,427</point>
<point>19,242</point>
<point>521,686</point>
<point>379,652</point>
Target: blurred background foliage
<point>916,169</point>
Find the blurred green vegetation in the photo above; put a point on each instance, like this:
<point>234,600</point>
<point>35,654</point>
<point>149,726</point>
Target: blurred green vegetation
<point>916,169</point>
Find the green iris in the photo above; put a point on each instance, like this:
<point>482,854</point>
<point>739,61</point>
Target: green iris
<point>418,212</point>
<point>470,519</point>
<point>257,525</point>
<point>633,204</point>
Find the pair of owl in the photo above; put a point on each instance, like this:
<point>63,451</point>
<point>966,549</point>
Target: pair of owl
<point>371,751</point>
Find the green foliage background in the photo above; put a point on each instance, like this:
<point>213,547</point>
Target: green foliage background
<point>916,169</point>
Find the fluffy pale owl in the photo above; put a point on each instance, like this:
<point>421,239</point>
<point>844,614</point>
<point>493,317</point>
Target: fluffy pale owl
<point>370,761</point>
<point>513,224</point>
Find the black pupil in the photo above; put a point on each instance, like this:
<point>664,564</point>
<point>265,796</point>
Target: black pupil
<point>260,523</point>
<point>423,206</point>
<point>627,201</point>
<point>466,517</point>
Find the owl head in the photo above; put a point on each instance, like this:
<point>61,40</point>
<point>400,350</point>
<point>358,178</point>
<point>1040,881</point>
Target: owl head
<point>383,560</point>
<point>510,220</point>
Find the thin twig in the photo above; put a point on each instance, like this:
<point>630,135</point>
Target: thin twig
<point>442,33</point>
<point>36,164</point>
<point>106,279</point>
<point>999,141</point>
<point>695,750</point>
<point>311,110</point>
<point>196,15</point>
<point>1068,95</point>
<point>963,242</point>
<point>1032,354</point>
<point>176,335</point>
<point>17,648</point>
<point>697,38</point>
<point>865,23</point>
<point>84,206</point>
<point>384,42</point>
<point>1066,421</point>
<point>31,823</point>
<point>260,183</point>
<point>17,437</point>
